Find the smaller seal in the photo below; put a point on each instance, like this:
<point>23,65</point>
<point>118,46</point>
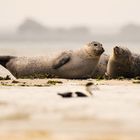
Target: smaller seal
<point>123,63</point>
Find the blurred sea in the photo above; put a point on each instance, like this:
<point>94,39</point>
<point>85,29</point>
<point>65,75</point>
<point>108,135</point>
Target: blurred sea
<point>38,48</point>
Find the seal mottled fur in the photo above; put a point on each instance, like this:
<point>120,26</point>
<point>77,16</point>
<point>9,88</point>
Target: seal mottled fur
<point>70,64</point>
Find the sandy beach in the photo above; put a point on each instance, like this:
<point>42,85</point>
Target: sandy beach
<point>32,110</point>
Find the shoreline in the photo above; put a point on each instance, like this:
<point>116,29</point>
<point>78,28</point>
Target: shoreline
<point>57,81</point>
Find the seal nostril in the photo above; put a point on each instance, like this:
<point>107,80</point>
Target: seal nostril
<point>95,44</point>
<point>116,47</point>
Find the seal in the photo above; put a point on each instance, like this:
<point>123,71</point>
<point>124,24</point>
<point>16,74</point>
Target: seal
<point>101,69</point>
<point>123,63</point>
<point>76,64</point>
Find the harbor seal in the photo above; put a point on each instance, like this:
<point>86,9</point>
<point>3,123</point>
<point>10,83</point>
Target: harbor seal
<point>79,64</point>
<point>123,63</point>
<point>100,71</point>
<point>70,64</point>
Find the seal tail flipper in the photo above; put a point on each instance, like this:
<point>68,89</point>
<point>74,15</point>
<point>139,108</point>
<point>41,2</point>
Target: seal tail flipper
<point>5,59</point>
<point>61,60</point>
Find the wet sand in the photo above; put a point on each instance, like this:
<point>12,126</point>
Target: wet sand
<point>32,110</point>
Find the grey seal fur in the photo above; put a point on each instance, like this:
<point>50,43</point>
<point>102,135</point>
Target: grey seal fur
<point>70,64</point>
<point>123,63</point>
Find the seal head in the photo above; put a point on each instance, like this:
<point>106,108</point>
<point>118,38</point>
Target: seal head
<point>119,63</point>
<point>121,53</point>
<point>94,48</point>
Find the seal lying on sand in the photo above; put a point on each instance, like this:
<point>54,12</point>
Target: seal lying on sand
<point>123,63</point>
<point>69,64</point>
<point>78,64</point>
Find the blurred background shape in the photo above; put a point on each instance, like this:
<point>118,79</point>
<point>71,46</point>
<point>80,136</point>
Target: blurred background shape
<point>41,26</point>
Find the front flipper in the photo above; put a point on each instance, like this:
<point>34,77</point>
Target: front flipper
<point>61,60</point>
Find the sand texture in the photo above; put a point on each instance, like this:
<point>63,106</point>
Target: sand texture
<point>32,110</point>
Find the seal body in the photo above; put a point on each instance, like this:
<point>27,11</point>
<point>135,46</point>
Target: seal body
<point>82,62</point>
<point>123,63</point>
<point>29,67</point>
<point>135,65</point>
<point>70,64</point>
<point>101,68</point>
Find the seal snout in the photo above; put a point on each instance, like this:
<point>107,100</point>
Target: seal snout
<point>116,50</point>
<point>99,50</point>
<point>102,49</point>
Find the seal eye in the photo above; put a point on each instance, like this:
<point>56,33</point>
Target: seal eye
<point>95,44</point>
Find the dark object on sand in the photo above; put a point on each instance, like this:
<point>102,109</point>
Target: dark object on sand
<point>89,84</point>
<point>66,94</point>
<point>15,81</point>
<point>80,94</point>
<point>88,92</point>
<point>70,94</point>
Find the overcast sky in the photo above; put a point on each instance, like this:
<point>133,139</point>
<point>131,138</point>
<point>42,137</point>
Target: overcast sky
<point>70,12</point>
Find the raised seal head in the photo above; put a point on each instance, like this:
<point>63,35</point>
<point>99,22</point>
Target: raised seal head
<point>121,53</point>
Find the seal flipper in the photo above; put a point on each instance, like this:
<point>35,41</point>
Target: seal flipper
<point>61,60</point>
<point>5,59</point>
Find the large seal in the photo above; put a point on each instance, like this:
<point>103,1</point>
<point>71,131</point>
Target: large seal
<point>70,64</point>
<point>123,63</point>
<point>81,63</point>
